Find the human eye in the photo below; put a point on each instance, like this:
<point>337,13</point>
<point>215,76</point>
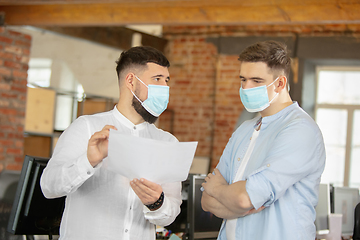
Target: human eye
<point>158,78</point>
<point>257,80</point>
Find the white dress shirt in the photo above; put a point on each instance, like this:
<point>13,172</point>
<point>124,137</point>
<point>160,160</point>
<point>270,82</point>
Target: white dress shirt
<point>101,204</point>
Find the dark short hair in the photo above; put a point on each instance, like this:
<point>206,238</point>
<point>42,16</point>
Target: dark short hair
<point>273,53</point>
<point>138,57</point>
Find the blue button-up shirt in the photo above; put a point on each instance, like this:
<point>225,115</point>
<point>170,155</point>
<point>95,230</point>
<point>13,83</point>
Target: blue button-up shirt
<point>283,174</point>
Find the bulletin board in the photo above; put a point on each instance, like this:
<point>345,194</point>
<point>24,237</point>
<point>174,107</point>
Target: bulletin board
<point>40,107</point>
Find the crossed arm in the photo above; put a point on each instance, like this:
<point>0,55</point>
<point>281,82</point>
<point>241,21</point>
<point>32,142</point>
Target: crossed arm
<point>225,200</point>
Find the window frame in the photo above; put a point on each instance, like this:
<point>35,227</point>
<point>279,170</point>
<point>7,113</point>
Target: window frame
<point>350,108</point>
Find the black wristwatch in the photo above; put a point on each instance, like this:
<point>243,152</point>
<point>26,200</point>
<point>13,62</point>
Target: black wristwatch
<point>156,205</point>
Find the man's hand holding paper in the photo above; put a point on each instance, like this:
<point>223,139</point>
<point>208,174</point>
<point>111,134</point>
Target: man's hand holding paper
<point>147,191</point>
<point>98,145</point>
<point>156,161</point>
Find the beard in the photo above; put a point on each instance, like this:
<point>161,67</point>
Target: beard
<point>148,117</point>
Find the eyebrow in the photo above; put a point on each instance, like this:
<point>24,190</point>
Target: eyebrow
<point>252,78</point>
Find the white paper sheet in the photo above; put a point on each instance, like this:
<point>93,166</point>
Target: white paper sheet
<point>156,161</point>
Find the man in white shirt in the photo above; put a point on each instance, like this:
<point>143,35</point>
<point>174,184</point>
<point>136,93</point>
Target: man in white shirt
<point>101,204</point>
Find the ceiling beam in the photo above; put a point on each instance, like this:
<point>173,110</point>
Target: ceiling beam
<point>176,12</point>
<point>117,37</point>
<point>178,2</point>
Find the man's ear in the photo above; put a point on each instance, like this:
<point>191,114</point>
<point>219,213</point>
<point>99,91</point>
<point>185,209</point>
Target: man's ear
<point>129,81</point>
<point>281,83</point>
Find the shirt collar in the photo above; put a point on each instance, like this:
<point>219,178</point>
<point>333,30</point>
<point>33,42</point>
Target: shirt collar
<point>126,122</point>
<point>267,120</point>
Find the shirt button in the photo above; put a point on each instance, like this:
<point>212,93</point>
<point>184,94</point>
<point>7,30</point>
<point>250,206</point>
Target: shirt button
<point>126,230</point>
<point>88,172</point>
<point>134,127</point>
<point>238,159</point>
<point>268,165</point>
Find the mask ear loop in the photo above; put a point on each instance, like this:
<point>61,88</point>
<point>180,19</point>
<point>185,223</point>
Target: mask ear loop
<point>270,83</point>
<point>276,93</point>
<point>134,93</point>
<point>136,96</point>
<point>273,98</point>
<point>141,81</point>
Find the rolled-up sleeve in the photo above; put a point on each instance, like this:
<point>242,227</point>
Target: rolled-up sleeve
<point>296,152</point>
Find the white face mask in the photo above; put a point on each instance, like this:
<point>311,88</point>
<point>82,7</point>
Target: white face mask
<point>256,99</point>
<point>157,100</point>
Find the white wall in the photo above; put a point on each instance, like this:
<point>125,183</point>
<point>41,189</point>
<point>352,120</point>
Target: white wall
<point>76,61</point>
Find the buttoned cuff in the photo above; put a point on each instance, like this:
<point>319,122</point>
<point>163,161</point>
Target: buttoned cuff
<point>157,214</point>
<point>85,168</point>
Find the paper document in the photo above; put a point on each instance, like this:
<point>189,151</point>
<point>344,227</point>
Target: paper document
<point>154,160</point>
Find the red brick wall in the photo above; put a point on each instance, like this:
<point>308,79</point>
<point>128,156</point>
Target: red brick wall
<point>228,105</point>
<point>204,93</point>
<point>14,58</point>
<point>192,74</point>
<point>204,84</point>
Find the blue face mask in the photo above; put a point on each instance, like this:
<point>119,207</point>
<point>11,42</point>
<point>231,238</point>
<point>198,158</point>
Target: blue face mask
<point>157,100</point>
<point>256,99</point>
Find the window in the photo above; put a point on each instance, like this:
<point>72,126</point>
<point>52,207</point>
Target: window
<point>337,113</point>
<point>39,72</point>
<point>68,90</point>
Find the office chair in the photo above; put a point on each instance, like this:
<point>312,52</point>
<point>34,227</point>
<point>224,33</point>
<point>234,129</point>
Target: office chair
<point>356,235</point>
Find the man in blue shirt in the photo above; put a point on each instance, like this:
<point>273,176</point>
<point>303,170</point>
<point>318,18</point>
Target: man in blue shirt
<point>266,183</point>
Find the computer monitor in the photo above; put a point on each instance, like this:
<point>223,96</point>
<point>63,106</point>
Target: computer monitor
<point>323,210</point>
<point>32,213</point>
<point>344,201</point>
<point>201,224</point>
<point>8,184</point>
